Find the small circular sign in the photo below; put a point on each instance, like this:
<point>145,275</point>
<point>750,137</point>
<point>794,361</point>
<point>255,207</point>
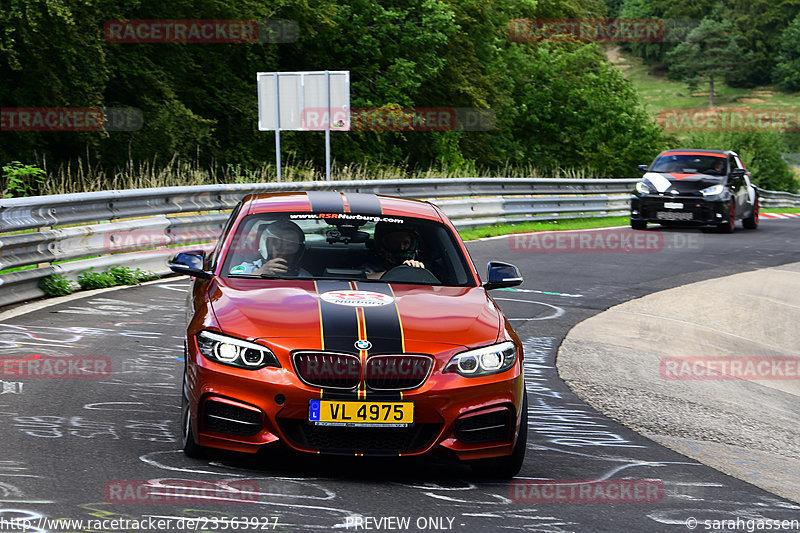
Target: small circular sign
<point>357,298</point>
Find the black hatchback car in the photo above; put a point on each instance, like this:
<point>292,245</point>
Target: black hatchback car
<point>695,188</point>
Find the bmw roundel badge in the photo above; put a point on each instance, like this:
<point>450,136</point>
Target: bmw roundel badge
<point>363,345</point>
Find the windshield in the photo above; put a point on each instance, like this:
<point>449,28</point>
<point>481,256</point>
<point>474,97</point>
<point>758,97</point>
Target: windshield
<point>363,248</point>
<point>714,165</point>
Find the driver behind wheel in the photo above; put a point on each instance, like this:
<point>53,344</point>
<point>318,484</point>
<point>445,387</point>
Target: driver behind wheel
<point>280,248</point>
<point>395,245</point>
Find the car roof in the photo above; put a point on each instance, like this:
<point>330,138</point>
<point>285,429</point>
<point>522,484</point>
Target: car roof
<point>339,202</point>
<point>693,151</point>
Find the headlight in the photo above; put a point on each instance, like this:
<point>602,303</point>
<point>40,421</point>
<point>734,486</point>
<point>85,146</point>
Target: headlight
<point>235,352</point>
<point>642,188</point>
<point>484,361</point>
<point>714,190</point>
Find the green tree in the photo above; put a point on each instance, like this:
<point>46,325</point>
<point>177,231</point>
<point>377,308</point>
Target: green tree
<point>556,104</point>
<point>576,110</point>
<point>758,26</point>
<point>709,53</point>
<point>787,68</point>
<point>642,9</point>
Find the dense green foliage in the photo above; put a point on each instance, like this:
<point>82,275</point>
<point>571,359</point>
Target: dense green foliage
<point>126,276</point>
<point>57,285</point>
<point>21,179</point>
<point>96,280</point>
<point>756,26</point>
<point>557,104</point>
<point>787,67</point>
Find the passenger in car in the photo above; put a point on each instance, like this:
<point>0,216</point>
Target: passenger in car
<point>395,245</point>
<point>281,246</point>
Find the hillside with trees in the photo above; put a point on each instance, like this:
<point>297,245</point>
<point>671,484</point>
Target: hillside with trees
<point>557,105</point>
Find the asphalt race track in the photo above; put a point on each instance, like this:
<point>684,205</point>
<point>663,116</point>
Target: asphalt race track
<point>106,448</point>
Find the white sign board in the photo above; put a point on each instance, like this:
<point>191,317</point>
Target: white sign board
<point>300,101</point>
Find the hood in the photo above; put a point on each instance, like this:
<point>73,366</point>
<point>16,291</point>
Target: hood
<point>333,315</point>
<point>665,181</point>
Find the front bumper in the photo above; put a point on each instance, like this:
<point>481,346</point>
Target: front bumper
<point>693,210</point>
<point>244,411</point>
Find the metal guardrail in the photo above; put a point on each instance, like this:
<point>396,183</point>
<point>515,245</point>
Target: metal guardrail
<point>774,199</point>
<point>140,228</point>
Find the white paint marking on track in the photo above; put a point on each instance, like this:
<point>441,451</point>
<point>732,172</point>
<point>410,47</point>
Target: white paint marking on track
<point>557,311</point>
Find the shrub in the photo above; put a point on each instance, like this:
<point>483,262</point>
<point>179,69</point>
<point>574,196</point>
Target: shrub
<point>57,285</point>
<point>123,275</point>
<point>126,276</point>
<point>22,180</point>
<point>96,280</point>
<point>142,275</point>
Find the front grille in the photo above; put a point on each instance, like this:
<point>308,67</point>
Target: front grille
<point>650,209</point>
<point>328,369</point>
<point>491,426</point>
<point>397,372</point>
<point>223,417</point>
<point>345,440</point>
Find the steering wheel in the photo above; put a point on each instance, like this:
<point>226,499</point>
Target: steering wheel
<point>409,274</point>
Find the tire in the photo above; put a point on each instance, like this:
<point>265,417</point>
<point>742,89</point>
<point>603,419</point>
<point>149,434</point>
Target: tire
<point>509,466</point>
<point>751,222</point>
<point>729,225</point>
<point>188,444</point>
<point>638,224</point>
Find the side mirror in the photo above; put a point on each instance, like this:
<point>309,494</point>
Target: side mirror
<point>642,168</point>
<point>190,263</point>
<point>738,173</point>
<point>502,275</point>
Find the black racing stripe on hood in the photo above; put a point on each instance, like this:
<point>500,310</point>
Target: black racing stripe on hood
<point>339,322</point>
<point>365,204</point>
<point>326,201</point>
<point>384,330</point>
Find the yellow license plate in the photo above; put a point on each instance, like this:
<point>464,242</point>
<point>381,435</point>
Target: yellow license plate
<point>352,413</point>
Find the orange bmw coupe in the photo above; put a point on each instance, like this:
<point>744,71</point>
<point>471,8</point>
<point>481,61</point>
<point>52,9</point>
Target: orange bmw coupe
<point>349,323</point>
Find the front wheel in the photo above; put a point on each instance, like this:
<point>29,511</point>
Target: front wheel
<point>510,465</point>
<point>751,222</point>
<point>730,224</point>
<point>638,224</point>
<point>188,444</point>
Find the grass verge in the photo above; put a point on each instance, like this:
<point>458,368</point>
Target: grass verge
<point>550,225</point>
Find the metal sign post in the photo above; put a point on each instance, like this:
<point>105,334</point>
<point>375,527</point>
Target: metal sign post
<point>304,101</point>
<point>277,128</point>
